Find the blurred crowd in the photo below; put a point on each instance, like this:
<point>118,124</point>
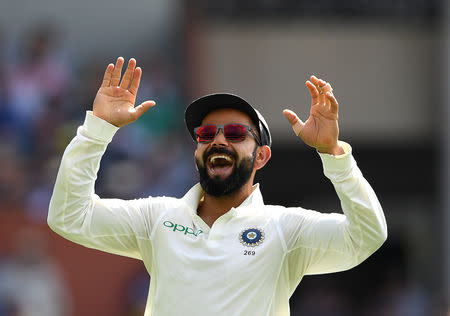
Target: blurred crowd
<point>43,98</point>
<point>42,101</point>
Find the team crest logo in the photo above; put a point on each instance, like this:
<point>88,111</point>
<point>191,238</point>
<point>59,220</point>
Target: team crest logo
<point>251,237</point>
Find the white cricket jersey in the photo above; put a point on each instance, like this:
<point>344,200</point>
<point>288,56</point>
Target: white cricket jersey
<point>248,263</point>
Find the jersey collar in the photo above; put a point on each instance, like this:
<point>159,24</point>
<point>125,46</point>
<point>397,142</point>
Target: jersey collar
<point>193,196</point>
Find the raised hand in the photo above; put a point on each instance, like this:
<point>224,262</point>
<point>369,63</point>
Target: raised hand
<point>115,103</point>
<point>321,129</point>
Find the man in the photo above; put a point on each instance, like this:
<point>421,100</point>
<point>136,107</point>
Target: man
<point>219,250</point>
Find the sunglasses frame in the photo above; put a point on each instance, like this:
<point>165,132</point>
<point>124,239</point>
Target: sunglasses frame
<point>222,127</point>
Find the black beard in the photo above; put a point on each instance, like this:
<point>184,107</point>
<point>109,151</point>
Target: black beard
<point>239,176</point>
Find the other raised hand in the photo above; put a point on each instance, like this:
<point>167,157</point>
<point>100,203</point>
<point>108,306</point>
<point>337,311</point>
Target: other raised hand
<point>321,129</point>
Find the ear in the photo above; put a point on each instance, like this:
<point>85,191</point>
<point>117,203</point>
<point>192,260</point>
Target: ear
<point>263,154</point>
<point>195,158</point>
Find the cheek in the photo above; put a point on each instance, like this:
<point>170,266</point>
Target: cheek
<point>198,154</point>
<point>246,152</point>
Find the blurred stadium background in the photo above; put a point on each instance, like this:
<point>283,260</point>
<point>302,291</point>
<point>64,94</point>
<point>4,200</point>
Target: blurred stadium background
<point>388,62</point>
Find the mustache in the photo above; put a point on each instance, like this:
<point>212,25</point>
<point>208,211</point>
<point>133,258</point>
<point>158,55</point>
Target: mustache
<point>218,150</point>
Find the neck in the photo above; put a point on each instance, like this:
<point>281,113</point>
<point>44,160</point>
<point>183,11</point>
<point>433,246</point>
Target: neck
<point>212,207</point>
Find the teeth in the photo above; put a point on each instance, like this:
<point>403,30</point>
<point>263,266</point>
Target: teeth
<point>227,158</point>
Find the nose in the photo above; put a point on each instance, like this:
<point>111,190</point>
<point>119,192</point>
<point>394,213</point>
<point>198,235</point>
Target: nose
<point>219,139</point>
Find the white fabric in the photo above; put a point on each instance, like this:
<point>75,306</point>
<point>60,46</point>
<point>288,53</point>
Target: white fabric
<point>196,270</point>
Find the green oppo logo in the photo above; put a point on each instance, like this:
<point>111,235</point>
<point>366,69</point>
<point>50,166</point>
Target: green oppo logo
<point>181,228</point>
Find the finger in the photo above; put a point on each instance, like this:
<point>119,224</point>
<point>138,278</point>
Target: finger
<point>327,88</point>
<point>126,79</point>
<point>296,123</point>
<point>321,85</point>
<point>143,107</point>
<point>117,72</point>
<point>314,80</point>
<point>334,106</point>
<point>317,81</point>
<point>312,89</point>
<point>134,85</point>
<point>107,76</point>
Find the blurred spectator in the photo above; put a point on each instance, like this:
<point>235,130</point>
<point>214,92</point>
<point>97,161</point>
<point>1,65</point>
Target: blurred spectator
<point>30,283</point>
<point>32,95</point>
<point>36,88</point>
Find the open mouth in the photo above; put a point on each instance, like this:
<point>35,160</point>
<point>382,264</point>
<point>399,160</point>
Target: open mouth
<point>220,165</point>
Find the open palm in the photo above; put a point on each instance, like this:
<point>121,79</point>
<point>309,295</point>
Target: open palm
<point>116,103</point>
<point>321,129</point>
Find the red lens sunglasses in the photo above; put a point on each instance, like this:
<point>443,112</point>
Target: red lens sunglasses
<point>232,132</point>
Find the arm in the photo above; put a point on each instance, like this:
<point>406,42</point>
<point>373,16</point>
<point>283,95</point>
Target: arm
<point>75,211</point>
<point>333,242</point>
<point>324,243</point>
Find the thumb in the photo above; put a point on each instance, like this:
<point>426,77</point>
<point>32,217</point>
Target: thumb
<point>297,124</point>
<point>143,107</point>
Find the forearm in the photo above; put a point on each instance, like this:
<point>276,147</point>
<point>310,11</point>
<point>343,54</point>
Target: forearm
<point>365,224</point>
<point>73,193</point>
